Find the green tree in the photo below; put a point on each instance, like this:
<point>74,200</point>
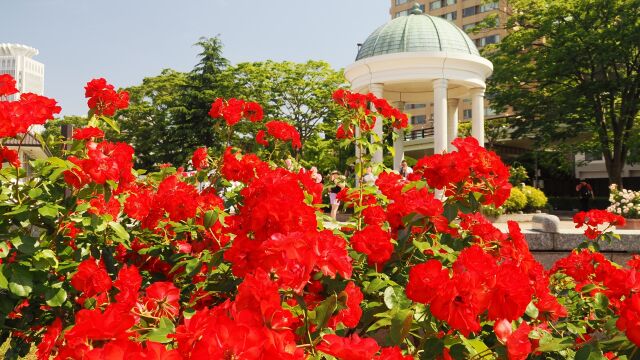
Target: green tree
<point>148,122</point>
<point>298,92</point>
<point>569,67</point>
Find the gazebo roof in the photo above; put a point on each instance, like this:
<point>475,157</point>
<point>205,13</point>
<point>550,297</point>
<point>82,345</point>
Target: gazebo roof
<point>417,32</point>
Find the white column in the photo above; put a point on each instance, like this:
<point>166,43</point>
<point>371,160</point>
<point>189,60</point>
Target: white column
<point>477,114</point>
<point>452,123</point>
<point>398,144</point>
<point>439,116</point>
<point>377,90</point>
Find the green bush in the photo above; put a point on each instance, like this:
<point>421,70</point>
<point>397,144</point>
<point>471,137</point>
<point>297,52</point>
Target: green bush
<point>536,199</point>
<point>516,201</point>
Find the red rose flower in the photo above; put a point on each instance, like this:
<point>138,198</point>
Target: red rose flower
<point>87,133</point>
<point>162,298</point>
<point>199,158</point>
<point>518,344</point>
<point>260,138</point>
<point>7,85</point>
<point>90,278</point>
<point>10,156</point>
<point>375,243</point>
<point>285,132</point>
<point>103,99</point>
<point>351,348</point>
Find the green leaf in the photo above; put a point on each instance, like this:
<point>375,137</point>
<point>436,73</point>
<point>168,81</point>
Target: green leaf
<point>551,344</point>
<point>477,348</point>
<point>4,283</point>
<point>400,325</point>
<point>325,310</point>
<point>55,296</point>
<point>532,311</point>
<point>114,125</point>
<point>433,347</point>
<point>21,282</point>
<point>395,297</point>
<point>45,259</point>
<point>159,334</point>
<point>35,193</point>
<point>48,210</point>
<point>601,301</point>
<point>588,352</point>
<point>210,218</point>
<point>120,232</point>
<point>25,244</point>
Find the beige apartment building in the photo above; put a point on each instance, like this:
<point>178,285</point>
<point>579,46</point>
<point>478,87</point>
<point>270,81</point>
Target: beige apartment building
<point>465,14</point>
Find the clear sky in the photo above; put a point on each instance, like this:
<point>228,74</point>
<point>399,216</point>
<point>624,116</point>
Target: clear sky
<point>127,40</point>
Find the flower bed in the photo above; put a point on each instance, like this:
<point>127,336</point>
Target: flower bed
<point>101,263</point>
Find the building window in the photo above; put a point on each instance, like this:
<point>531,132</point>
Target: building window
<point>593,156</point>
<point>492,39</point>
<point>489,111</point>
<point>466,114</point>
<point>489,6</point>
<point>402,13</point>
<point>450,16</point>
<point>441,3</point>
<point>418,119</point>
<point>479,9</point>
<point>470,11</point>
<point>400,2</point>
<point>469,27</point>
<point>415,106</point>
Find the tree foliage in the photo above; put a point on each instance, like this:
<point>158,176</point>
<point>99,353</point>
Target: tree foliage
<point>168,116</point>
<point>569,67</point>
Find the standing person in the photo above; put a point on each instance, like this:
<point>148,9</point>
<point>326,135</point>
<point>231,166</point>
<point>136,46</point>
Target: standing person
<point>405,169</point>
<point>369,178</point>
<point>585,193</point>
<point>333,193</point>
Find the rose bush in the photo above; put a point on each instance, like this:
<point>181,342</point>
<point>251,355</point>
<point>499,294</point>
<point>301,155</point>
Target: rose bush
<point>102,261</point>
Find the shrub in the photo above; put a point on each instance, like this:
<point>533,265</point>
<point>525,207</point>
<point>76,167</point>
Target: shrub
<point>536,199</point>
<point>516,202</point>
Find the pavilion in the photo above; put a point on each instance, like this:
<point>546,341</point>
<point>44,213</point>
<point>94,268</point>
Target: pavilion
<point>423,59</point>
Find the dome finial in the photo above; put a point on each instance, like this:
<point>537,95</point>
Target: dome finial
<point>417,9</point>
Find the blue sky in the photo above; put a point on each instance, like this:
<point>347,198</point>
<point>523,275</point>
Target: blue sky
<point>127,40</point>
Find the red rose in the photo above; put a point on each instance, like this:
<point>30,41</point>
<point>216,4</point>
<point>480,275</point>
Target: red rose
<point>162,298</point>
<point>351,348</point>
<point>7,85</point>
<point>87,132</point>
<point>10,156</point>
<point>103,98</point>
<point>375,243</point>
<point>260,138</point>
<point>285,132</point>
<point>90,278</point>
<point>518,344</point>
<point>199,158</point>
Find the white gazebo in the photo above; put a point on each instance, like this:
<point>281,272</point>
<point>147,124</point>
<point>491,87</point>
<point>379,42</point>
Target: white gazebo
<point>421,58</point>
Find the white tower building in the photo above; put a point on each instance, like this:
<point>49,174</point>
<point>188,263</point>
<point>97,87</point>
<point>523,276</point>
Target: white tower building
<point>17,61</point>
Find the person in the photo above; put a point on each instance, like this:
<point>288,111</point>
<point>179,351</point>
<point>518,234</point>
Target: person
<point>369,178</point>
<point>585,193</point>
<point>333,193</point>
<point>405,169</point>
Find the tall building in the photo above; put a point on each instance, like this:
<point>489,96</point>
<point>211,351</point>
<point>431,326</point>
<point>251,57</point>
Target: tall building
<point>465,14</point>
<point>17,60</point>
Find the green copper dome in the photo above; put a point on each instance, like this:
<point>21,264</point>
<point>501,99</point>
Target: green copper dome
<point>417,32</point>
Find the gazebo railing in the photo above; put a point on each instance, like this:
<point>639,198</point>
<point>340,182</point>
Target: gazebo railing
<point>419,134</point>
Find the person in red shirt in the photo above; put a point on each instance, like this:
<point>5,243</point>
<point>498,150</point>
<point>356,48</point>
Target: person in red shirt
<point>585,193</point>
